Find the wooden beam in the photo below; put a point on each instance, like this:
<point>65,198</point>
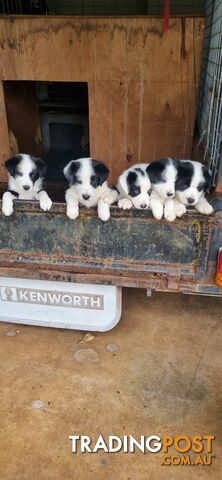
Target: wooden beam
<point>4,137</point>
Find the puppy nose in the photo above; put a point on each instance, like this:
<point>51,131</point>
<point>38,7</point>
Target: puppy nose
<point>190,200</point>
<point>85,196</point>
<point>169,194</point>
<point>144,205</point>
<point>26,187</point>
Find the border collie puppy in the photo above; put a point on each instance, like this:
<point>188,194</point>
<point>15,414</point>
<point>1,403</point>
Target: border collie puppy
<point>163,175</point>
<point>26,176</point>
<point>134,187</point>
<point>193,182</point>
<point>88,186</point>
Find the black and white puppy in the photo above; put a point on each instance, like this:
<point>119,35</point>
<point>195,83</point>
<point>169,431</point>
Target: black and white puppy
<point>88,186</point>
<point>163,175</point>
<point>193,182</point>
<point>26,175</point>
<point>134,187</point>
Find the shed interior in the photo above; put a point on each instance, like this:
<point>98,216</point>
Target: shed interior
<point>55,122</point>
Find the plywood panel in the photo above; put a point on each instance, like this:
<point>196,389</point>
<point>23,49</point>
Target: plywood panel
<point>100,121</point>
<point>118,129</point>
<point>133,113</point>
<point>142,80</point>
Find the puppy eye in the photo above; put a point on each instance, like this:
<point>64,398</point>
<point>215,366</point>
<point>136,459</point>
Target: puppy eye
<point>19,174</point>
<point>200,188</point>
<point>134,191</point>
<point>149,191</point>
<point>34,176</point>
<point>78,181</point>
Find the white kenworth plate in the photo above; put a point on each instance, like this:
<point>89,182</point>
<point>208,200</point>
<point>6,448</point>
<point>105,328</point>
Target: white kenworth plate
<point>60,304</point>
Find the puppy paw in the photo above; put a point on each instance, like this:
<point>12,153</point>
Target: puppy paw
<point>180,209</point>
<point>125,203</point>
<point>157,212</point>
<point>170,215</point>
<point>104,212</point>
<point>110,197</point>
<point>72,212</point>
<point>45,202</point>
<point>169,211</point>
<point>7,207</point>
<point>206,209</point>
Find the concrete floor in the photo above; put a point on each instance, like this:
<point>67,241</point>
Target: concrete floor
<point>164,377</point>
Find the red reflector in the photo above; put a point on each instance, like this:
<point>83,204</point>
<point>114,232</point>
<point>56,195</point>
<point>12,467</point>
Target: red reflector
<point>218,279</point>
<point>166,15</point>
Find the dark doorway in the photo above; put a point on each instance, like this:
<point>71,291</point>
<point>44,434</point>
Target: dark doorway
<point>49,119</point>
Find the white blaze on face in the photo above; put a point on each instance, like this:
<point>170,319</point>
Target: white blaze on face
<point>166,189</point>
<point>84,189</point>
<point>86,192</point>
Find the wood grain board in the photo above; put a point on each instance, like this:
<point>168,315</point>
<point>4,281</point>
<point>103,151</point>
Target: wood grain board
<point>142,82</point>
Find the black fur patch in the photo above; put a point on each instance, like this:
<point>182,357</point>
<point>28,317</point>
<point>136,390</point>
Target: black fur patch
<point>101,173</point>
<point>34,175</point>
<point>133,189</point>
<point>71,173</point>
<point>208,180</point>
<point>156,169</point>
<point>12,164</point>
<point>41,169</point>
<point>185,174</point>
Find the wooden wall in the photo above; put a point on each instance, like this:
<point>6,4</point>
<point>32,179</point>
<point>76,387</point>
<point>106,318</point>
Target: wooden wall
<point>142,82</point>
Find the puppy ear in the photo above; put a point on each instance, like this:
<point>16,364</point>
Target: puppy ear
<point>186,167</point>
<point>184,174</point>
<point>42,167</point>
<point>208,179</point>
<point>70,171</point>
<point>12,163</point>
<point>154,171</point>
<point>101,172</point>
